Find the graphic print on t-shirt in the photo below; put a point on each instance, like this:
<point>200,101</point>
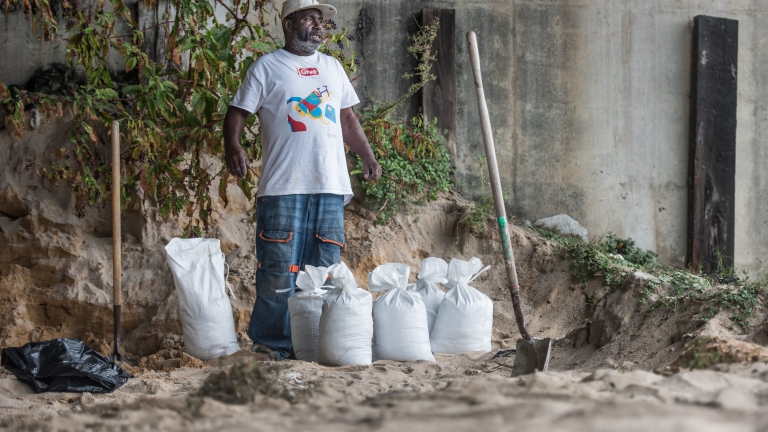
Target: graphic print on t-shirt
<point>307,72</point>
<point>311,106</point>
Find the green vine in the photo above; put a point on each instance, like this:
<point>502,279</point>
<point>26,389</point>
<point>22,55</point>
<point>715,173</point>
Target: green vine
<point>669,288</point>
<point>474,215</point>
<point>612,244</point>
<point>412,154</point>
<point>170,109</point>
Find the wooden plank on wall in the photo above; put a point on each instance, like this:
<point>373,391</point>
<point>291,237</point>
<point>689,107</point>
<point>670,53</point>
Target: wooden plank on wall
<point>439,96</point>
<point>148,23</point>
<point>712,157</point>
<point>161,43</point>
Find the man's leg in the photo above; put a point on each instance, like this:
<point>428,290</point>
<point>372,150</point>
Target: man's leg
<point>325,236</point>
<point>280,236</point>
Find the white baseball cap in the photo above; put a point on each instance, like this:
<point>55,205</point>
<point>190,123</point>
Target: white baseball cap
<point>291,6</point>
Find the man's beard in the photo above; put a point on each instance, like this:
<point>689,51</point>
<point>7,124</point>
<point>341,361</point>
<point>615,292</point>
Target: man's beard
<point>303,42</point>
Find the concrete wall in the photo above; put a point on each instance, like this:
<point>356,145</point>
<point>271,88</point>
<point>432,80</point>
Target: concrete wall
<point>21,53</point>
<point>589,101</point>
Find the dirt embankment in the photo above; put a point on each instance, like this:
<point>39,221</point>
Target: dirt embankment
<point>55,280</point>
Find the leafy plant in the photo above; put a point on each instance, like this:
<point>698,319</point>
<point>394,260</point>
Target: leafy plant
<point>412,154</point>
<point>415,162</point>
<point>475,215</point>
<point>670,288</point>
<point>612,244</point>
<point>170,108</point>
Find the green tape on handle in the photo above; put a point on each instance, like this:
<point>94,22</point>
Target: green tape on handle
<point>502,223</point>
<point>504,236</point>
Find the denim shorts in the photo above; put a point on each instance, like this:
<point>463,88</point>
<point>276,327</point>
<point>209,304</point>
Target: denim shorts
<point>291,231</point>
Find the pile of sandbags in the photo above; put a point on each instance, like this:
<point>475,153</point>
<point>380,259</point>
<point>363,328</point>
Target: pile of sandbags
<point>206,314</point>
<point>433,271</point>
<point>465,317</point>
<point>346,325</point>
<point>400,326</point>
<point>409,322</point>
<point>305,309</point>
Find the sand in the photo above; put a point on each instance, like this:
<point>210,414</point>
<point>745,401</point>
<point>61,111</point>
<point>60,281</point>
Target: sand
<point>458,393</point>
<point>616,365</point>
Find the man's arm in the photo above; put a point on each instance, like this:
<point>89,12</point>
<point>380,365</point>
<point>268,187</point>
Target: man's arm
<point>355,138</point>
<point>237,158</point>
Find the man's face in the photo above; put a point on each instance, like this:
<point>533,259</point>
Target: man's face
<point>307,29</point>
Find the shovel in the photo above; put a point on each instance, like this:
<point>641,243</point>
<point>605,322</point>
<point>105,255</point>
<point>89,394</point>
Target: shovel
<point>531,353</point>
<point>117,298</point>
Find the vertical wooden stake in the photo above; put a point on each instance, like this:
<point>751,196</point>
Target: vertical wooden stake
<point>439,96</point>
<point>712,158</point>
<point>116,246</point>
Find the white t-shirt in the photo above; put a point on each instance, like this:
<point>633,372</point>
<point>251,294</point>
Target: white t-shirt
<point>299,100</point>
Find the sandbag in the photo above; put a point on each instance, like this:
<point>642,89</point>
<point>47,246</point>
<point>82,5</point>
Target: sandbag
<point>63,365</point>
<point>305,309</point>
<point>400,328</point>
<point>346,325</point>
<point>465,318</point>
<point>205,312</point>
<point>433,271</point>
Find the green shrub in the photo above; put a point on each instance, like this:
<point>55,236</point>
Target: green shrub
<point>627,249</point>
<point>412,154</point>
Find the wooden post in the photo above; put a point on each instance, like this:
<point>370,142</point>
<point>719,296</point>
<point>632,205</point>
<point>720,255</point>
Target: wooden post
<point>117,292</point>
<point>148,23</point>
<point>154,20</point>
<point>116,236</point>
<point>161,42</point>
<point>439,96</point>
<point>712,157</point>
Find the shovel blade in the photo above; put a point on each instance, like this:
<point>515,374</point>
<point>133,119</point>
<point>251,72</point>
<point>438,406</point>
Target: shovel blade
<point>116,356</point>
<point>531,356</point>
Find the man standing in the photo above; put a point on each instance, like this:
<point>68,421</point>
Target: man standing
<point>304,100</point>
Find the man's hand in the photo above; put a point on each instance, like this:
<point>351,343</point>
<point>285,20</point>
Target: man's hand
<point>355,138</point>
<point>237,158</point>
<point>371,169</point>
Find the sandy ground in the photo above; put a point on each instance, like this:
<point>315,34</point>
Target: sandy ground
<point>616,364</point>
<point>459,393</point>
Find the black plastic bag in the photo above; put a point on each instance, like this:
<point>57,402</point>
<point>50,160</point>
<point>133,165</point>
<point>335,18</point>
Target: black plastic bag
<point>63,365</point>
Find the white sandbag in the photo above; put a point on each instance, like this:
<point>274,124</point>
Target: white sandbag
<point>305,308</point>
<point>204,309</point>
<point>465,318</point>
<point>433,271</point>
<point>400,329</point>
<point>346,325</point>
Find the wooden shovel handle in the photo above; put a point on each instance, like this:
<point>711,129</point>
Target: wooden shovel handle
<point>498,195</point>
<point>116,246</point>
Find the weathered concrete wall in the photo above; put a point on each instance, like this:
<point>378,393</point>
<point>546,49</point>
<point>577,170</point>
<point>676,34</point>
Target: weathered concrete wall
<point>21,53</point>
<point>588,100</point>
